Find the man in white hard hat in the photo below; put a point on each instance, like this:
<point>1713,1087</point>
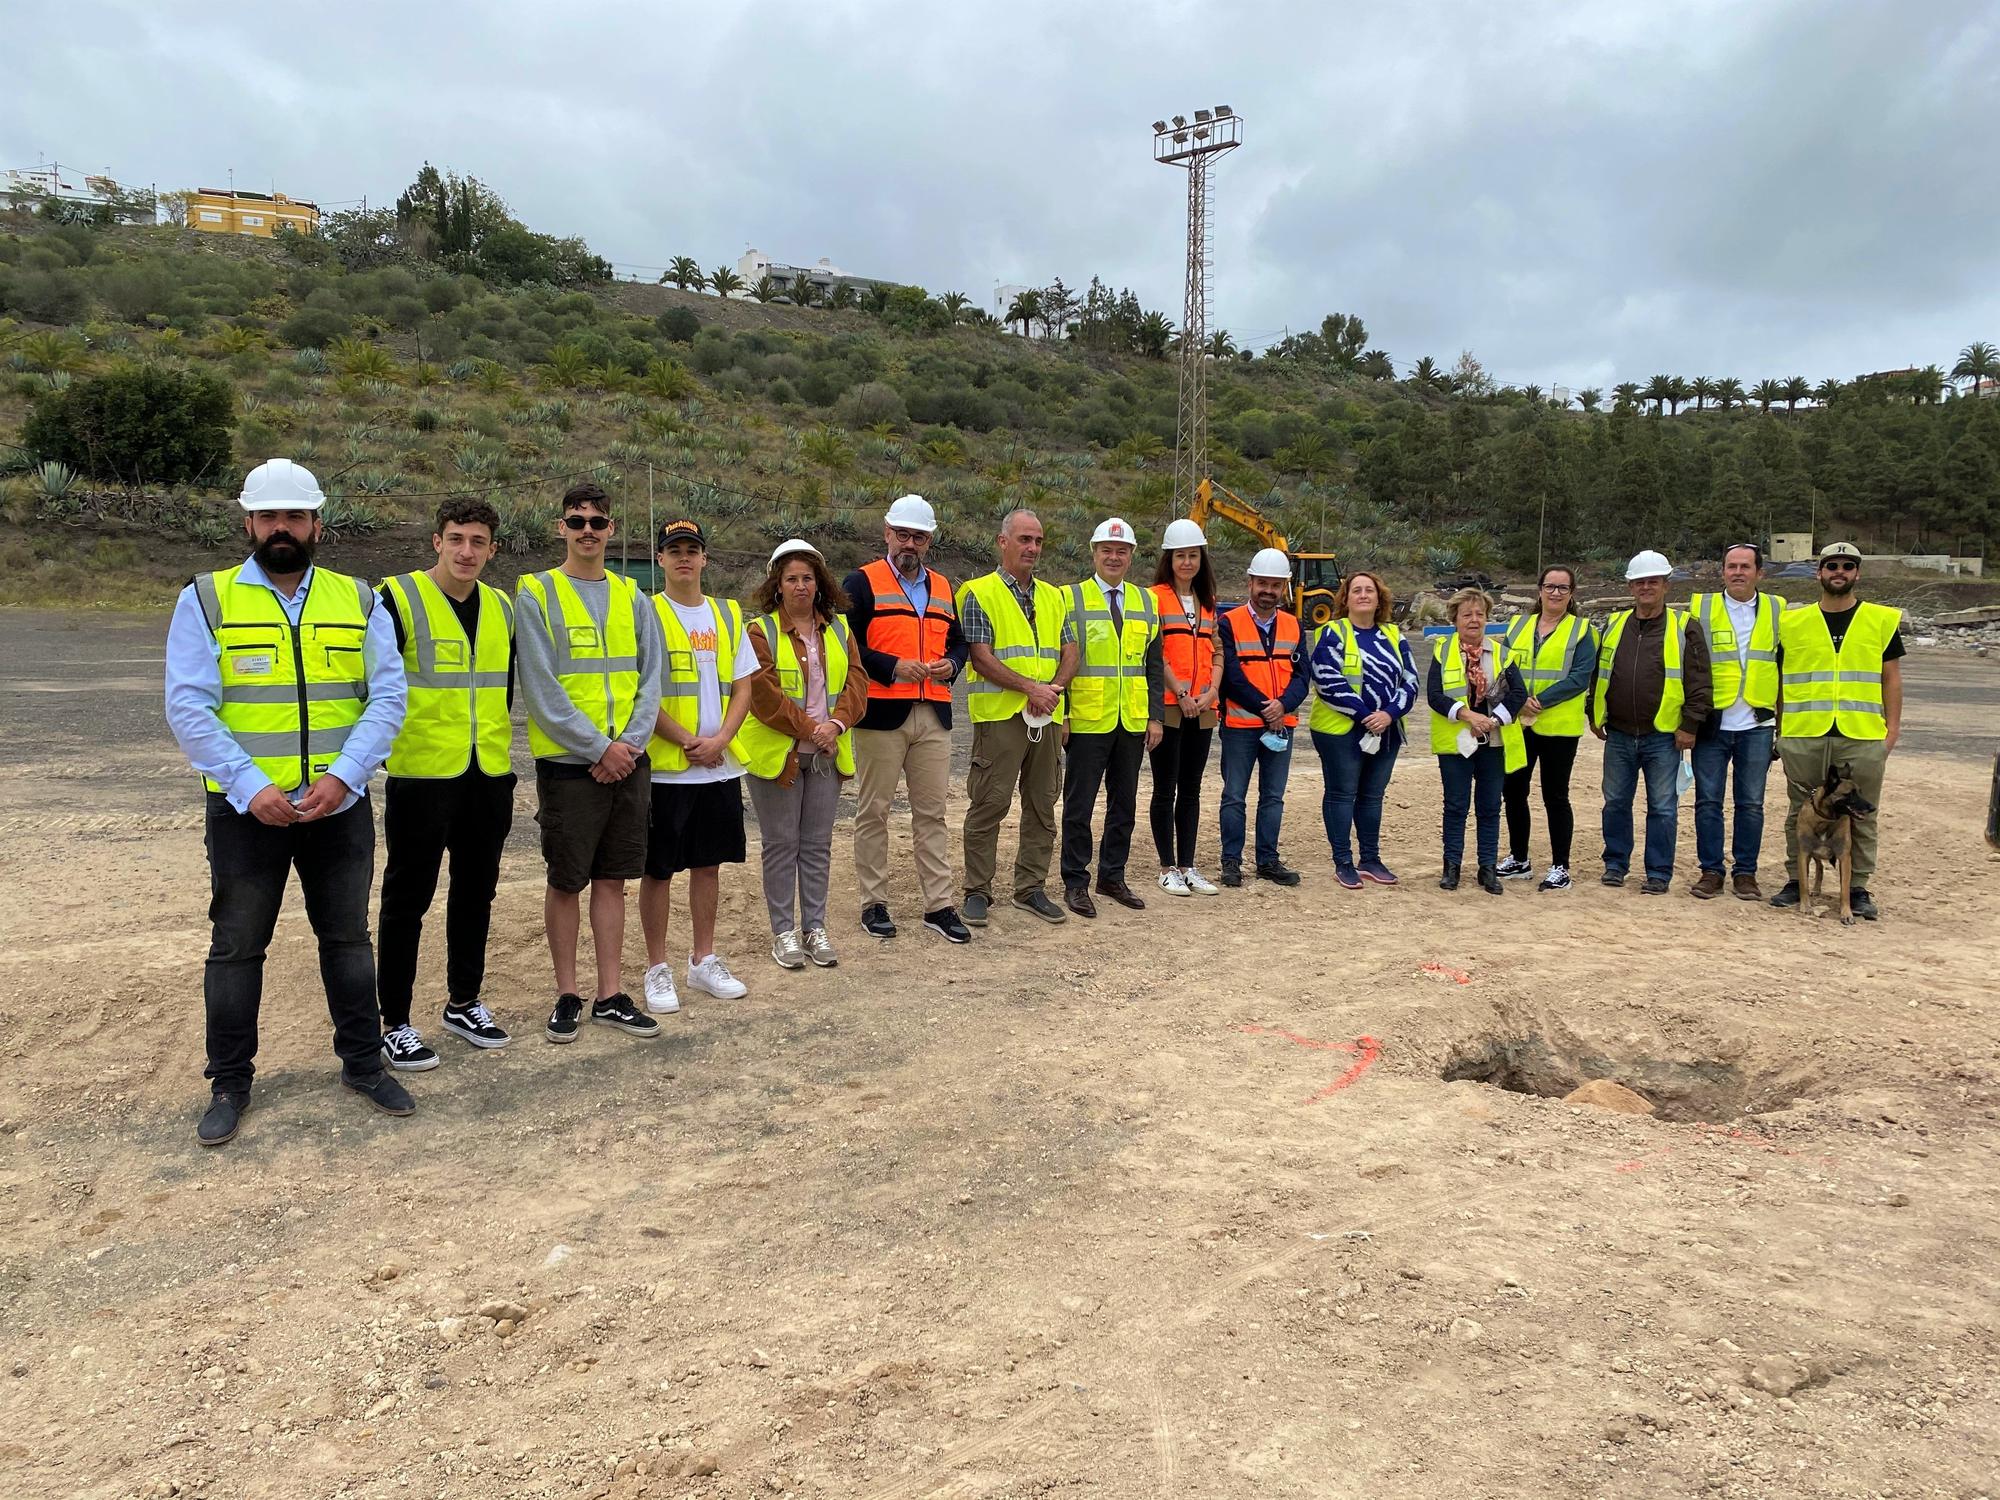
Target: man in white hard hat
<point>285,690</point>
<point>1113,708</point>
<point>1021,663</point>
<point>1264,680</point>
<point>904,622</point>
<point>1653,692</point>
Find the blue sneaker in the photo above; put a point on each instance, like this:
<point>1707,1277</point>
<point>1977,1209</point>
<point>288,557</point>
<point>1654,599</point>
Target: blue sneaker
<point>1349,881</point>
<point>1375,870</point>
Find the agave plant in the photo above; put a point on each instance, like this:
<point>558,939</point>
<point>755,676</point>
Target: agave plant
<point>309,362</point>
<point>57,479</point>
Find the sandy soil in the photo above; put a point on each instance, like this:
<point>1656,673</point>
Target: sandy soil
<point>1175,1203</point>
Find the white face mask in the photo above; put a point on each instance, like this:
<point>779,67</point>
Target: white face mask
<point>1036,723</point>
<point>1370,743</point>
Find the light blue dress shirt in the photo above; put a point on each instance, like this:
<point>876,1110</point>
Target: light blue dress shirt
<point>194,699</point>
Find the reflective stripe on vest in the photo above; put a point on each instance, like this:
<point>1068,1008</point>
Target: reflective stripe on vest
<point>1109,689</point>
<point>289,695</point>
<point>1451,677</point>
<point>1325,718</point>
<point>1758,687</point>
<point>458,688</point>
<point>598,671</point>
<point>1035,651</point>
<point>680,676</point>
<point>1544,663</point>
<point>1269,671</point>
<point>1827,692</point>
<point>763,748</point>
<point>896,631</point>
<point>1187,651</point>
<point>1666,718</point>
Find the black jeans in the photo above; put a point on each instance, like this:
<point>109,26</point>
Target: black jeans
<point>1179,761</point>
<point>1110,760</point>
<point>468,817</point>
<point>248,865</point>
<point>1557,756</point>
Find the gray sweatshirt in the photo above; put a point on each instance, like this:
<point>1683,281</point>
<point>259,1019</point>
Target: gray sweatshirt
<point>549,705</point>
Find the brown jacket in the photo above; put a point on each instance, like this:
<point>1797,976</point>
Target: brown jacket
<point>1639,677</point>
<point>774,707</point>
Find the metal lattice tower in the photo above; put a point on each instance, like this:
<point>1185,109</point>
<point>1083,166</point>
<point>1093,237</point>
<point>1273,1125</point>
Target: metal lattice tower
<point>1194,147</point>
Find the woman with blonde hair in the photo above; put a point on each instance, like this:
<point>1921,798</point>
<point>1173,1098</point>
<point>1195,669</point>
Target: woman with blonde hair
<point>1476,696</point>
<point>804,702</point>
<point>1364,682</point>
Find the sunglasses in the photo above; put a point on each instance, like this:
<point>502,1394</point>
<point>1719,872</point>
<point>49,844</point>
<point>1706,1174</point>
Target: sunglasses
<point>595,523</point>
<point>1842,565</point>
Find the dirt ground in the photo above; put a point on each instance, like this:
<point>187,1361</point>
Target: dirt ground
<point>1176,1203</point>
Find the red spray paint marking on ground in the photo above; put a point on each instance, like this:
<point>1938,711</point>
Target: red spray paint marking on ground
<point>1444,971</point>
<point>1720,1135</point>
<point>1365,1049</point>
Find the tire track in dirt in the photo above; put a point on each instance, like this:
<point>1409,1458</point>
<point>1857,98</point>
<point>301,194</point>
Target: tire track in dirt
<point>1013,1433</point>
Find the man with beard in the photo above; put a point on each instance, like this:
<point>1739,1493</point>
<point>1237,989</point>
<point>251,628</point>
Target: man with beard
<point>1840,703</point>
<point>285,690</point>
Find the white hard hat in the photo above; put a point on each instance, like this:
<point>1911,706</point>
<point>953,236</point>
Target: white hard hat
<point>1182,534</point>
<point>1113,530</point>
<point>912,513</point>
<point>1270,563</point>
<point>280,484</point>
<point>1648,564</point>
<point>794,544</point>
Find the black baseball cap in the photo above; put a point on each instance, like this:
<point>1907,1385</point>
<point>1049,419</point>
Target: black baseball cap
<point>682,531</point>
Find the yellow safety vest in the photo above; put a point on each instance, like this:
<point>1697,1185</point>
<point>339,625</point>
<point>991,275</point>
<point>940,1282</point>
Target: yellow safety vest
<point>1757,687</point>
<point>1667,718</point>
<point>1035,651</point>
<point>289,696</point>
<point>1109,689</point>
<point>1827,693</point>
<point>598,671</point>
<point>1444,732</point>
<point>1542,665</point>
<point>762,748</point>
<point>680,682</point>
<point>458,688</point>
<point>1325,718</point>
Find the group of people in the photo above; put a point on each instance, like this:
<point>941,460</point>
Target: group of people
<point>288,686</point>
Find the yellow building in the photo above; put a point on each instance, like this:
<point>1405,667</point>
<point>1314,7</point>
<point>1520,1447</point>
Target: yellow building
<point>220,211</point>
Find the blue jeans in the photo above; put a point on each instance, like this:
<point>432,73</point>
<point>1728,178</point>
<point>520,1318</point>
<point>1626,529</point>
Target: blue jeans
<point>1241,750</point>
<point>1473,782</point>
<point>1625,756</point>
<point>1746,752</point>
<point>1352,801</point>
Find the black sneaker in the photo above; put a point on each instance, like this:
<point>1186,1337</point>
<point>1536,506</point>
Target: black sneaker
<point>1039,903</point>
<point>220,1119</point>
<point>1862,903</point>
<point>565,1018</point>
<point>1515,869</point>
<point>875,921</point>
<point>380,1090</point>
<point>403,1047</point>
<point>619,1011</point>
<point>1278,873</point>
<point>977,905</point>
<point>475,1023</point>
<point>1232,876</point>
<point>1788,894</point>
<point>944,921</point>
<point>1612,877</point>
<point>1654,886</point>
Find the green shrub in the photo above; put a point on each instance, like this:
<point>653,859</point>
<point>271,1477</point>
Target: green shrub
<point>146,423</point>
<point>314,327</point>
<point>679,324</point>
<point>44,296</point>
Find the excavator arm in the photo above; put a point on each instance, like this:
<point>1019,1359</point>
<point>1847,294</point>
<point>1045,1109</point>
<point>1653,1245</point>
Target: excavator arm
<point>1211,499</point>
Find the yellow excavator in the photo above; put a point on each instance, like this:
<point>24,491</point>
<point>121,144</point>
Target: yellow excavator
<point>1315,575</point>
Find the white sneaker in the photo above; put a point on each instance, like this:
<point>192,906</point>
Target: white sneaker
<point>1556,880</point>
<point>712,977</point>
<point>1198,883</point>
<point>1515,869</point>
<point>785,952</point>
<point>1173,883</point>
<point>661,997</point>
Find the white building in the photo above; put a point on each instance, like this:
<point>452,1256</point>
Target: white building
<point>823,274</point>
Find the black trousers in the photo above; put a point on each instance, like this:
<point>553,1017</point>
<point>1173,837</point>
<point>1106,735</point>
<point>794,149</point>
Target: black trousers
<point>1556,754</point>
<point>1178,761</point>
<point>467,817</point>
<point>1090,761</point>
<point>248,866</point>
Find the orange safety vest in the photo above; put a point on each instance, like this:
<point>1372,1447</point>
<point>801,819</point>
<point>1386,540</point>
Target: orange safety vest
<point>897,630</point>
<point>1270,672</point>
<point>1189,652</point>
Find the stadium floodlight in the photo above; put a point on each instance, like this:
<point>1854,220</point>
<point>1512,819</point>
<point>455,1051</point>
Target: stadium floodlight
<point>1158,126</point>
<point>1223,111</point>
<point>1202,117</point>
<point>1180,122</point>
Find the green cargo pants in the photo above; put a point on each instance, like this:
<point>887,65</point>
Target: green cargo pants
<point>1806,764</point>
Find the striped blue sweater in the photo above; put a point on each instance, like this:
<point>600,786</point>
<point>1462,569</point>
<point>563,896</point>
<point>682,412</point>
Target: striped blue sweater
<point>1388,676</point>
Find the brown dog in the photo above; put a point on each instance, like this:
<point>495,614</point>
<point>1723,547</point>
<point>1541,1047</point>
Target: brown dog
<point>1826,837</point>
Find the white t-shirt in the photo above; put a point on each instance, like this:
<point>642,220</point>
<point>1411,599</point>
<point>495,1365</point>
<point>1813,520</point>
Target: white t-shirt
<point>1742,620</point>
<point>699,621</point>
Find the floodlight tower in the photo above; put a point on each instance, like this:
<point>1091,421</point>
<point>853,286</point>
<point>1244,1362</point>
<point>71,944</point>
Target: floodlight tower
<point>1195,146</point>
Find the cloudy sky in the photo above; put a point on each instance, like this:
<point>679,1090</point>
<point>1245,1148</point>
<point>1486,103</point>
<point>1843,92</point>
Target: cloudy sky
<point>1580,193</point>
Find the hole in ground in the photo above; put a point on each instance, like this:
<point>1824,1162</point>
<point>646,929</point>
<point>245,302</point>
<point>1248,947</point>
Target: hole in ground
<point>1682,1088</point>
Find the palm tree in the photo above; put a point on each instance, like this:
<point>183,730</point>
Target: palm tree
<point>1797,389</point>
<point>1701,388</point>
<point>978,317</point>
<point>802,292</point>
<point>1625,395</point>
<point>1376,365</point>
<point>1927,383</point>
<point>1728,393</point>
<point>1589,398</point>
<point>1826,390</point>
<point>724,280</point>
<point>843,297</point>
<point>1156,331</point>
<point>1024,309</point>
<point>956,303</point>
<point>684,273</point>
<point>1765,392</point>
<point>766,290</point>
<point>1426,372</point>
<point>1678,391</point>
<point>1533,393</point>
<point>1659,390</point>
<point>1220,345</point>
<point>1977,361</point>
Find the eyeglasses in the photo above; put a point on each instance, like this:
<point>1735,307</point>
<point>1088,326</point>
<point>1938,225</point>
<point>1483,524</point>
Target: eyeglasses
<point>595,523</point>
<point>1842,565</point>
<point>1556,588</point>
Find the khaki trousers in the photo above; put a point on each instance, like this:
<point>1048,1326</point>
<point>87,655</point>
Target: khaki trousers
<point>1004,759</point>
<point>1806,763</point>
<point>917,752</point>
